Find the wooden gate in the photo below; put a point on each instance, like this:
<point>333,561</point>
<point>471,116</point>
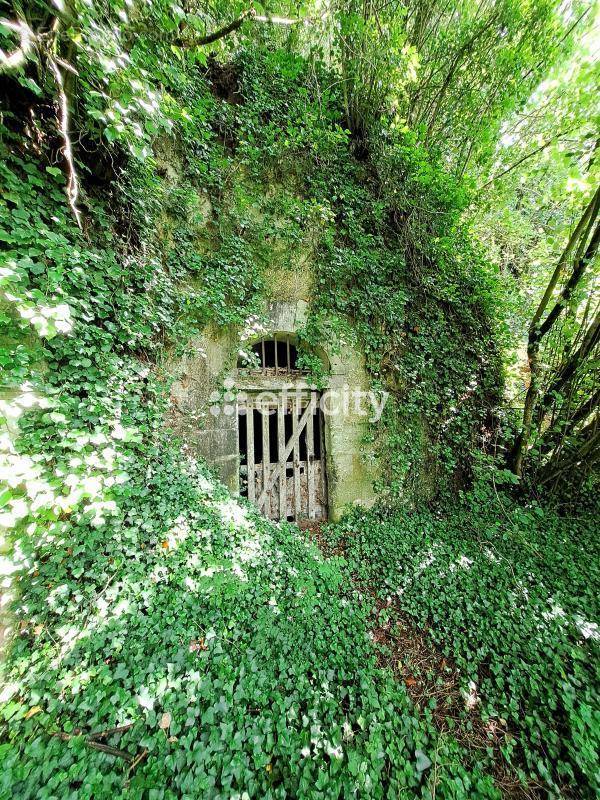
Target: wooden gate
<point>282,455</point>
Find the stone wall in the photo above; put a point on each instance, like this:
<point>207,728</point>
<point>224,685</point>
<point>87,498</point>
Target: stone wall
<point>211,368</point>
<point>212,356</point>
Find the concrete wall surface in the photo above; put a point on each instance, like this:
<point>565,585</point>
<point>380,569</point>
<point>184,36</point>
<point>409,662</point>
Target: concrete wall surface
<point>209,375</point>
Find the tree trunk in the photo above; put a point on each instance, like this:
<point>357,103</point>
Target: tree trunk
<point>576,244</point>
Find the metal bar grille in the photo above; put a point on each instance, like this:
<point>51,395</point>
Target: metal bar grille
<point>276,356</point>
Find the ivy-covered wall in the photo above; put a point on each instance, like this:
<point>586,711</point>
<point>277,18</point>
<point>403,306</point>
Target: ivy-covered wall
<point>254,207</point>
<point>286,294</point>
<point>220,654</point>
<point>243,204</point>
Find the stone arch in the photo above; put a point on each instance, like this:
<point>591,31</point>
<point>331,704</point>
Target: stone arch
<point>282,429</point>
<point>254,342</point>
<point>211,368</point>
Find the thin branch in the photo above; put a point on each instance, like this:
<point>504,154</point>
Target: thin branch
<point>524,158</point>
<point>103,748</point>
<point>225,30</point>
<point>250,15</point>
<point>570,367</point>
<point>572,283</point>
<point>559,43</point>
<point>111,731</point>
<point>587,219</point>
<point>580,458</point>
<point>576,243</point>
<point>72,181</point>
<point>140,757</point>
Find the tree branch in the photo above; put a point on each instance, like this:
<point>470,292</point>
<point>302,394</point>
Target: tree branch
<point>103,748</point>
<point>576,243</point>
<point>571,284</point>
<point>250,15</point>
<point>72,181</point>
<point>220,33</point>
<point>588,217</point>
<point>568,369</point>
<point>522,160</point>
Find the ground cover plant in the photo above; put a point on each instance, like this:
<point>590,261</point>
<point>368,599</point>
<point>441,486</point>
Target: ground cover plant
<point>509,594</point>
<point>223,647</point>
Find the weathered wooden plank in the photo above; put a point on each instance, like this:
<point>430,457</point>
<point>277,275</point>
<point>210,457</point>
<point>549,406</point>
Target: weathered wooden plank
<point>310,455</point>
<point>322,483</point>
<point>318,470</point>
<point>263,500</point>
<point>280,452</point>
<point>296,457</point>
<point>250,450</point>
<point>288,449</point>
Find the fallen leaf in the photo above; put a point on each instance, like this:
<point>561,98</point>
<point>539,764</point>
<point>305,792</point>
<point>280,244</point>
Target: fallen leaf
<point>423,762</point>
<point>32,711</point>
<point>410,681</point>
<point>165,721</point>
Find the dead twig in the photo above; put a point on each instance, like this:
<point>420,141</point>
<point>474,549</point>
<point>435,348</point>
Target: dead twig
<point>111,731</point>
<point>140,757</point>
<point>103,748</point>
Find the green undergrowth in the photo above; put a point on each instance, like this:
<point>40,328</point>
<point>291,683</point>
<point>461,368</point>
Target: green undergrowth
<point>226,642</point>
<point>142,595</point>
<point>510,594</point>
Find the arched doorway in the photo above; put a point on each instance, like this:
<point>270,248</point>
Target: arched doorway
<point>281,433</point>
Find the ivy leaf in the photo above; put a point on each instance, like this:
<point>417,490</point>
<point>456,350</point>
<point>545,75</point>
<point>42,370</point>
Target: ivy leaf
<point>30,84</point>
<point>145,699</point>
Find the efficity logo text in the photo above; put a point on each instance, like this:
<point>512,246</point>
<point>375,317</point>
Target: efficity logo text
<point>342,401</point>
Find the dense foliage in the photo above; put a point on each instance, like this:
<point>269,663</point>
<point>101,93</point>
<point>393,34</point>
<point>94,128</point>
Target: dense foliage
<point>224,643</point>
<point>169,642</point>
<point>543,184</point>
<point>498,591</point>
